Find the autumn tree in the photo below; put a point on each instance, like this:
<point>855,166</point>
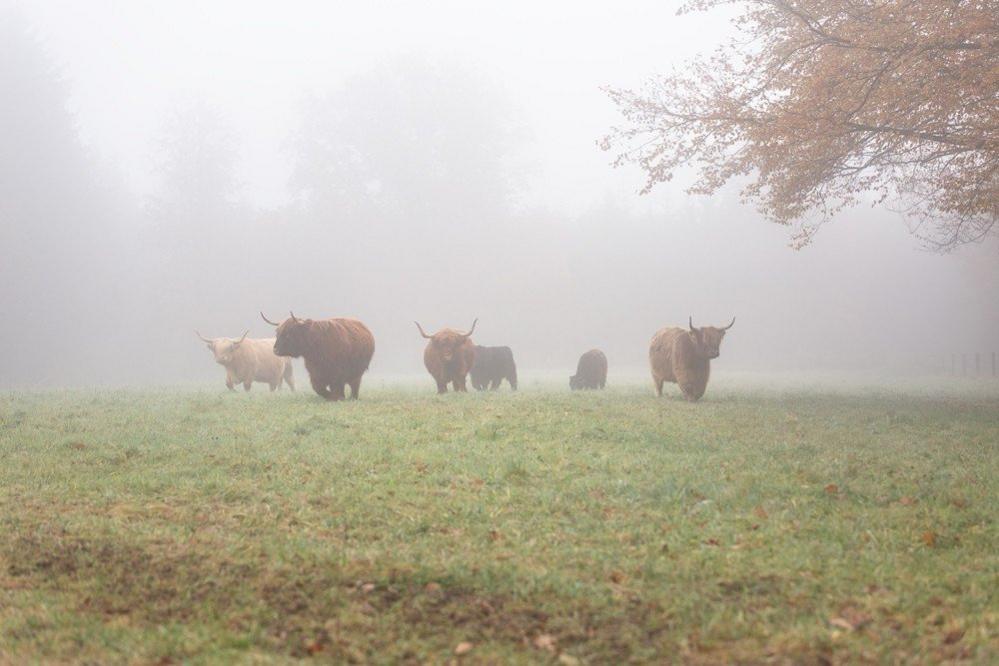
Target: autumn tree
<point>819,102</point>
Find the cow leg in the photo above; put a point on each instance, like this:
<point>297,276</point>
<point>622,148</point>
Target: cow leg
<point>274,386</point>
<point>494,384</point>
<point>459,384</point>
<point>659,385</point>
<point>229,385</point>
<point>355,388</point>
<point>513,380</point>
<point>320,388</point>
<point>337,389</point>
<point>441,386</point>
<point>247,385</point>
<point>289,376</point>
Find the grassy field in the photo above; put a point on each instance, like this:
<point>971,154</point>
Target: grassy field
<point>758,525</point>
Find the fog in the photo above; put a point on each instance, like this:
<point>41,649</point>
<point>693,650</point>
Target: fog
<point>166,167</point>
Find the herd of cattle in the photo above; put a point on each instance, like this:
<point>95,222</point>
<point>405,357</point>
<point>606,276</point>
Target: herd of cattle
<point>338,351</point>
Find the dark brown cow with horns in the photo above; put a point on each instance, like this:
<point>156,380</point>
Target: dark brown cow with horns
<point>684,357</point>
<point>449,356</point>
<point>337,351</point>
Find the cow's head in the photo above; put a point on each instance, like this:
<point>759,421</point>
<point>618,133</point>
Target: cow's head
<point>447,341</point>
<point>224,349</point>
<point>575,383</point>
<point>291,335</point>
<point>707,339</point>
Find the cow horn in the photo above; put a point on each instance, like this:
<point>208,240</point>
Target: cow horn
<point>471,330</point>
<point>293,317</point>
<point>203,338</point>
<point>729,325</point>
<point>268,320</point>
<point>421,330</point>
<point>240,341</point>
<point>691,322</point>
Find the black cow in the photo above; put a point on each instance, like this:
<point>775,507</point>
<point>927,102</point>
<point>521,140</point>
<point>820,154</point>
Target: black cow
<point>491,366</point>
<point>591,373</point>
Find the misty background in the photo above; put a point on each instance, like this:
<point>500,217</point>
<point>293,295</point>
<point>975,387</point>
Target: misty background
<point>166,167</point>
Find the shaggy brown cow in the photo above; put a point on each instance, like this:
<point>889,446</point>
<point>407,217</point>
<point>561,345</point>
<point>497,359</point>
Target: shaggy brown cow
<point>247,361</point>
<point>492,365</point>
<point>684,357</point>
<point>591,371</point>
<point>337,352</point>
<point>449,356</point>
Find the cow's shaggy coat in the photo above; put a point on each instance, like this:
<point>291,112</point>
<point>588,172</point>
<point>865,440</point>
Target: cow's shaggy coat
<point>684,357</point>
<point>337,352</point>
<point>250,360</point>
<point>449,356</point>
<point>491,366</point>
<point>591,371</point>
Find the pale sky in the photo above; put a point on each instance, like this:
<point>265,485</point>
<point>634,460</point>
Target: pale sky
<point>128,62</point>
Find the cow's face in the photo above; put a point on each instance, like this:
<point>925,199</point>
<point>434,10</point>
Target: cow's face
<point>448,344</point>
<point>224,350</point>
<point>574,383</point>
<point>708,339</point>
<point>291,337</point>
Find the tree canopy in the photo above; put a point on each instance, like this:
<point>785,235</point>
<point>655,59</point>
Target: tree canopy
<point>820,102</point>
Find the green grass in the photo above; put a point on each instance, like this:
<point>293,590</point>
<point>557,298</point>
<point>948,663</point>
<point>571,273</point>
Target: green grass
<point>544,526</point>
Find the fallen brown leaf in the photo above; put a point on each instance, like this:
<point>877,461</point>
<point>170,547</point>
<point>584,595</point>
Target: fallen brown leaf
<point>907,501</point>
<point>953,636</point>
<point>930,538</point>
<point>832,489</point>
<point>617,577</point>
<point>545,642</point>
<point>463,647</point>
<point>567,659</point>
<point>841,623</point>
<point>760,513</point>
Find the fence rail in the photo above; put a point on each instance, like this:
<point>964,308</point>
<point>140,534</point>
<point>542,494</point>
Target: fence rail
<point>978,369</point>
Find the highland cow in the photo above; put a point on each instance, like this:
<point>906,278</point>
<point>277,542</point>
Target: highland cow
<point>449,356</point>
<point>591,371</point>
<point>491,366</point>
<point>247,361</point>
<point>337,352</point>
<point>684,357</point>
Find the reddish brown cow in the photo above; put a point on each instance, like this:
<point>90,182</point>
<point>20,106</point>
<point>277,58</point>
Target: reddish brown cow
<point>337,351</point>
<point>684,357</point>
<point>449,356</point>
